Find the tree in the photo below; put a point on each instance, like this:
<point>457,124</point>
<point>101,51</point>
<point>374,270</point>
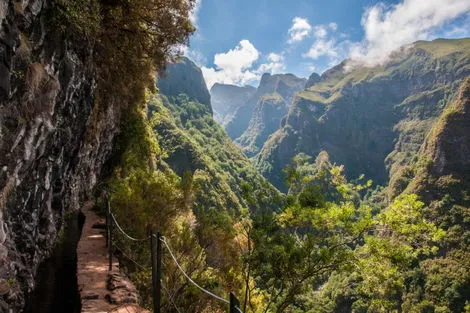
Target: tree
<point>326,242</point>
<point>136,40</point>
<point>298,248</point>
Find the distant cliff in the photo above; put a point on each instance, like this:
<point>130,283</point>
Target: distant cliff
<point>443,168</point>
<point>226,99</point>
<point>372,120</point>
<point>261,114</point>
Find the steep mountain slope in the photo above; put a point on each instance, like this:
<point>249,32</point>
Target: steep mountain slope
<point>261,115</point>
<point>285,85</point>
<point>442,179</point>
<point>185,78</point>
<point>443,166</point>
<point>364,116</point>
<point>226,99</point>
<point>225,183</point>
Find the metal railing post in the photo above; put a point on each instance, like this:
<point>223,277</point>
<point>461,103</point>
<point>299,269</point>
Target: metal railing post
<point>234,304</point>
<point>156,249</point>
<point>110,238</point>
<point>106,233</point>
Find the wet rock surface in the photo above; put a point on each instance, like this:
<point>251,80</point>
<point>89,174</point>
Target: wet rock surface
<point>53,139</point>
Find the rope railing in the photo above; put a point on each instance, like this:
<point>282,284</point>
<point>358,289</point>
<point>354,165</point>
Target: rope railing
<point>124,233</point>
<point>188,277</point>
<point>156,242</point>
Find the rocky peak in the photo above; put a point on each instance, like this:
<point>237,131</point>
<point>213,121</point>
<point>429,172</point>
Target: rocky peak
<point>266,108</point>
<point>284,84</point>
<point>282,87</point>
<point>184,77</point>
<point>312,80</point>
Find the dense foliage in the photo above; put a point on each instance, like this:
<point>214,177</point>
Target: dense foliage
<point>147,195</point>
<point>326,251</point>
<point>225,186</point>
<point>334,246</point>
<point>180,174</point>
<point>131,40</point>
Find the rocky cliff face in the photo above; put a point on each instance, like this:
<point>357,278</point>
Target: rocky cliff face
<point>261,115</point>
<point>275,94</point>
<point>53,139</point>
<point>186,78</point>
<point>312,80</point>
<point>444,164</point>
<point>372,120</point>
<point>226,99</point>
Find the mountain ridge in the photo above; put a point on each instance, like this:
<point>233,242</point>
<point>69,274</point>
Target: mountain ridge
<point>348,113</point>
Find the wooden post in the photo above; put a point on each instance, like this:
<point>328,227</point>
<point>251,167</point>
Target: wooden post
<point>106,234</point>
<point>110,238</point>
<point>156,248</point>
<point>234,304</point>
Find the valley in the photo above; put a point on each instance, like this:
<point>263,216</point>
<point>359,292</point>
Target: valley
<point>325,169</point>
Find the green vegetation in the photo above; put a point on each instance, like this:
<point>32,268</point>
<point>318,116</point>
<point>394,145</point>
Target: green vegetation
<point>226,188</point>
<point>129,41</point>
<point>327,251</point>
<point>146,194</point>
<point>254,121</point>
<point>229,236</point>
<point>331,243</point>
<point>179,173</point>
<point>332,246</point>
<point>268,112</point>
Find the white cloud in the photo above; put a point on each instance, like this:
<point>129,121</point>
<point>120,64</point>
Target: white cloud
<point>320,31</point>
<point>239,58</point>
<point>234,66</point>
<point>194,14</point>
<point>196,56</point>
<point>274,57</point>
<point>237,66</point>
<point>389,27</point>
<point>333,26</point>
<point>299,30</point>
<point>275,64</point>
<point>322,47</point>
<point>325,44</point>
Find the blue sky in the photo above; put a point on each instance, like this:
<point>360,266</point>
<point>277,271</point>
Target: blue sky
<point>237,40</point>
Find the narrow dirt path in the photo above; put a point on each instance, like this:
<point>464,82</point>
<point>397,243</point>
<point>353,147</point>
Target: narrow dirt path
<point>94,279</point>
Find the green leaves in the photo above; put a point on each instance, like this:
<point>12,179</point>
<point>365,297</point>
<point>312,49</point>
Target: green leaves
<point>401,237</point>
<point>326,229</point>
<point>405,222</point>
